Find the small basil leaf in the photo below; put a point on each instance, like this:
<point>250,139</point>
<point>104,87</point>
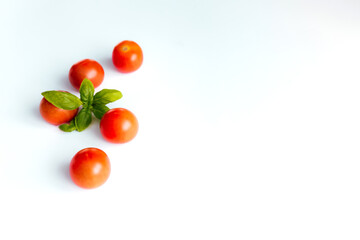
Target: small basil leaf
<point>99,110</point>
<point>86,92</point>
<point>68,127</point>
<point>83,119</point>
<point>63,100</point>
<point>106,96</point>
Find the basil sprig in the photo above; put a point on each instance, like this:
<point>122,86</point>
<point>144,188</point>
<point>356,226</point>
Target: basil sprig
<point>99,110</point>
<point>68,127</point>
<point>86,92</point>
<point>91,104</point>
<point>106,96</point>
<point>63,100</point>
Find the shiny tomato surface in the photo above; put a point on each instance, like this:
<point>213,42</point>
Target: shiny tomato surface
<point>90,168</point>
<point>119,125</point>
<point>55,115</point>
<point>86,68</point>
<point>127,56</point>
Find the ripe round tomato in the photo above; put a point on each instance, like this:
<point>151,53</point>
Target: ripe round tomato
<point>127,56</point>
<point>86,68</point>
<point>55,115</point>
<point>119,125</point>
<point>90,168</point>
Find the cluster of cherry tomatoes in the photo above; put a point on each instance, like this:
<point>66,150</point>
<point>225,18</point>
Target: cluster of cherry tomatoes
<point>90,167</point>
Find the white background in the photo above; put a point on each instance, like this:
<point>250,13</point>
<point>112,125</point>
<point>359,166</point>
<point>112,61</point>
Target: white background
<point>249,116</point>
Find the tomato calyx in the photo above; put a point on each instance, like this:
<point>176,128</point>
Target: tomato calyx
<point>90,103</point>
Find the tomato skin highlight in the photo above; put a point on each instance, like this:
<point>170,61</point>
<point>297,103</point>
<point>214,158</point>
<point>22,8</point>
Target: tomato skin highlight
<point>90,168</point>
<point>127,56</point>
<point>119,125</point>
<point>55,115</point>
<point>86,68</point>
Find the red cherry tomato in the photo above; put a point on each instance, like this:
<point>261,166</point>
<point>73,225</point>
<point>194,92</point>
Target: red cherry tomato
<point>90,168</point>
<point>127,56</point>
<point>55,115</point>
<point>119,125</point>
<point>89,69</point>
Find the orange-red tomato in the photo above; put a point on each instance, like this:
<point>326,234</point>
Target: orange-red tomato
<point>55,115</point>
<point>86,68</point>
<point>119,125</point>
<point>127,56</point>
<point>90,168</point>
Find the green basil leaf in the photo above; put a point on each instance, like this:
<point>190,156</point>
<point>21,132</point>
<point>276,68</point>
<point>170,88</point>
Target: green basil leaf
<point>99,110</point>
<point>83,119</point>
<point>68,127</point>
<point>106,96</point>
<point>63,100</point>
<point>86,92</point>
